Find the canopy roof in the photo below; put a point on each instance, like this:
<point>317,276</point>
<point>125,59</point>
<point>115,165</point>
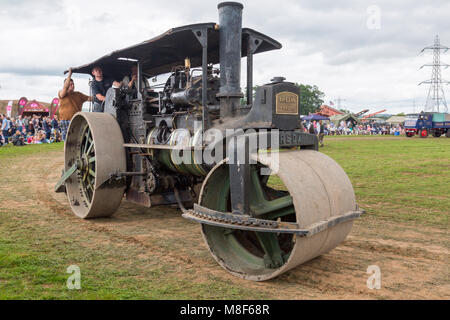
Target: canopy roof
<point>160,54</point>
<point>315,117</point>
<point>35,106</point>
<point>347,116</point>
<point>396,119</point>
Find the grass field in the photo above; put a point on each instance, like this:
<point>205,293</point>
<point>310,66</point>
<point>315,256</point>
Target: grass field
<point>398,179</point>
<point>403,184</point>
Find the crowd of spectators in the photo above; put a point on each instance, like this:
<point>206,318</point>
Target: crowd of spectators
<point>349,128</point>
<point>20,131</point>
<point>41,129</point>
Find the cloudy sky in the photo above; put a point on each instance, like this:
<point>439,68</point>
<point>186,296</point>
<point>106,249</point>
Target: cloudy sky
<point>366,52</point>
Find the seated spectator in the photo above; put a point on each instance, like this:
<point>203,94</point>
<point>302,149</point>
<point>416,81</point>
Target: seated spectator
<point>38,137</point>
<point>55,136</point>
<point>30,138</point>
<point>18,139</point>
<point>43,137</point>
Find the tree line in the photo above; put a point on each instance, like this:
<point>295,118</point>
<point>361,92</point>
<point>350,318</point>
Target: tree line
<point>310,98</point>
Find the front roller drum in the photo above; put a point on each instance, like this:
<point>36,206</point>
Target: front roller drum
<point>316,189</point>
<point>93,151</point>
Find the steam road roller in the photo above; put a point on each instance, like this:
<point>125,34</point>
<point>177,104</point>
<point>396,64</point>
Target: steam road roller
<point>239,165</point>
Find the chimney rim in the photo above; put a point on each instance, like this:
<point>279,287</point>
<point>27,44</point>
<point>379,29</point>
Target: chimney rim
<point>230,3</point>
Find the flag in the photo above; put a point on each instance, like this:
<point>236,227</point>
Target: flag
<point>54,106</point>
<point>9,108</point>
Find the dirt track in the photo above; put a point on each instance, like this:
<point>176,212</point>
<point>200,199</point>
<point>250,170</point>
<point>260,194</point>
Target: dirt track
<point>414,260</point>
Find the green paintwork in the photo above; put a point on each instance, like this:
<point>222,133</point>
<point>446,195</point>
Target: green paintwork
<point>189,168</point>
<point>66,176</point>
<point>87,158</point>
<point>217,197</point>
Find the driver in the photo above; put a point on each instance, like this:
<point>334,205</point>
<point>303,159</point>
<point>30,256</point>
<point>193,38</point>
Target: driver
<point>131,84</point>
<point>100,86</point>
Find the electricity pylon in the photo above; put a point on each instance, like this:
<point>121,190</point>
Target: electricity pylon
<point>436,98</point>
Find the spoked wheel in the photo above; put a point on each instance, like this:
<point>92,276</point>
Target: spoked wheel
<point>309,187</point>
<point>93,151</point>
<point>436,134</point>
<point>424,133</point>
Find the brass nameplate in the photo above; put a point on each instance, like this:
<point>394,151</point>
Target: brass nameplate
<point>286,103</point>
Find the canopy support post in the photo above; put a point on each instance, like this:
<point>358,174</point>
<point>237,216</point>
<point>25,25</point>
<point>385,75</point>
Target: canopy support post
<point>139,80</point>
<point>202,37</point>
<point>252,46</point>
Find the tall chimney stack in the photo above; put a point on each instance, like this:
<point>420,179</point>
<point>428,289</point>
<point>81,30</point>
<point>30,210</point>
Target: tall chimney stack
<point>230,30</point>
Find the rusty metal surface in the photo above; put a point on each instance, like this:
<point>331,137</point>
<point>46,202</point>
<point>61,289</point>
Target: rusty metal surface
<point>245,222</point>
<point>140,198</point>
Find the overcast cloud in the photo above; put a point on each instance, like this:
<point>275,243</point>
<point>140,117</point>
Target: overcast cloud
<point>335,45</point>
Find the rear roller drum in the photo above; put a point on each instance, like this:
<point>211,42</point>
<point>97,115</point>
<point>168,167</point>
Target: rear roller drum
<point>309,187</point>
<point>93,150</point>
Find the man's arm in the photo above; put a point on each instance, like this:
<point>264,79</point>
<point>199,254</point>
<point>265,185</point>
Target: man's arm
<point>63,92</point>
<point>86,98</point>
<point>133,80</point>
<point>100,97</point>
<point>96,91</point>
<point>115,84</point>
